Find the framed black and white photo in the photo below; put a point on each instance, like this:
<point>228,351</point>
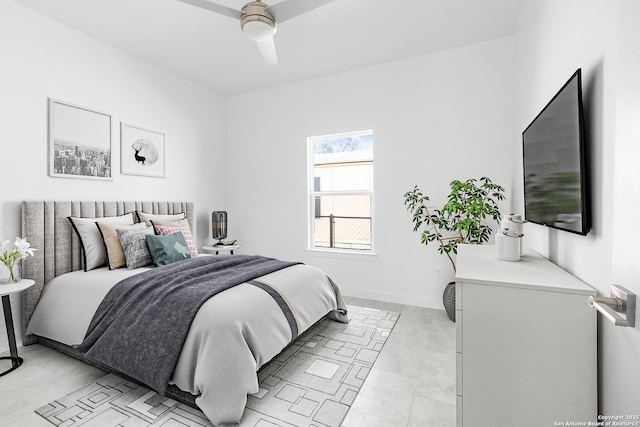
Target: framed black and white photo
<point>79,142</point>
<point>141,151</point>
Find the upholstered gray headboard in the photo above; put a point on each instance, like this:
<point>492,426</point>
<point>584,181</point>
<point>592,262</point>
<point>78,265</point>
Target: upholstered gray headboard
<point>46,227</point>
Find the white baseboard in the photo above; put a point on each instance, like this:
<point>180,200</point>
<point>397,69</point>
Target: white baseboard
<point>393,297</point>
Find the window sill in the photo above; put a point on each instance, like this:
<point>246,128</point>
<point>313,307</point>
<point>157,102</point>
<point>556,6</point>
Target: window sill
<point>342,254</point>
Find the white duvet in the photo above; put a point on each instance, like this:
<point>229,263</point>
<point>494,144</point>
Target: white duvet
<point>231,337</point>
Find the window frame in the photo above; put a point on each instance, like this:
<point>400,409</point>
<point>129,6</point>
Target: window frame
<point>312,194</point>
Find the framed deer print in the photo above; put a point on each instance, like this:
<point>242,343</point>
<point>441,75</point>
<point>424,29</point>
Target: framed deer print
<point>141,151</point>
<point>79,142</point>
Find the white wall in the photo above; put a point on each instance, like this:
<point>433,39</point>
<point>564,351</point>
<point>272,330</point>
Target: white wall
<point>435,118</point>
<point>553,39</point>
<point>41,59</point>
<point>620,347</point>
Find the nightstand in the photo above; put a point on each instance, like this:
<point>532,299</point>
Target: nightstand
<point>5,291</point>
<point>216,249</point>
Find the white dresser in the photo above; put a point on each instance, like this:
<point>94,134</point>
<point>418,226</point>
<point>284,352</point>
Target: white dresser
<point>526,342</point>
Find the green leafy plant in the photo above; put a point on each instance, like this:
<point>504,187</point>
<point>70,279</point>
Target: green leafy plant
<point>463,218</point>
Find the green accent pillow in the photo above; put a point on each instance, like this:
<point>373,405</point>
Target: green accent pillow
<point>167,249</point>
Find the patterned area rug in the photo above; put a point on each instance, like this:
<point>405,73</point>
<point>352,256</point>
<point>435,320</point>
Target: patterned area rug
<point>313,383</point>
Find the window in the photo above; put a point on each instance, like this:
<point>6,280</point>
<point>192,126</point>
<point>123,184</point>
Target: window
<point>341,191</point>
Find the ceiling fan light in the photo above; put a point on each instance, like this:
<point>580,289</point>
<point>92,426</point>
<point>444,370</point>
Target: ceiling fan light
<point>258,30</point>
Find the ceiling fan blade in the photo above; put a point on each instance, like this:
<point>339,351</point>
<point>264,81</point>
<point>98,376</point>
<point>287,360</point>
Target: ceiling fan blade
<point>268,50</point>
<point>288,9</point>
<point>214,7</point>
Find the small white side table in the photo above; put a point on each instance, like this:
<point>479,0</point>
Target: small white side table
<point>6,290</point>
<point>216,249</point>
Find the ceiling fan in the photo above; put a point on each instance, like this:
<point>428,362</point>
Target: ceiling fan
<point>259,21</point>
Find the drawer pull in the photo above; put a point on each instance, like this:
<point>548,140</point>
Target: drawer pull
<point>619,308</point>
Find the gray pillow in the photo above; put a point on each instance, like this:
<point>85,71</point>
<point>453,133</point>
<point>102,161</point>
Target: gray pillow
<point>93,250</point>
<point>168,249</point>
<point>134,246</point>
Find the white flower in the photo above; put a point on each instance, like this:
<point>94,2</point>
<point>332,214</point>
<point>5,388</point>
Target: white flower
<point>23,247</point>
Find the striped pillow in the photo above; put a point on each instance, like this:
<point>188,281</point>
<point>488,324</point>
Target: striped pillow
<point>165,230</point>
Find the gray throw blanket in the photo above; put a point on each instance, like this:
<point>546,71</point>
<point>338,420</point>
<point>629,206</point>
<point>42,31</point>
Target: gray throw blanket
<point>141,325</point>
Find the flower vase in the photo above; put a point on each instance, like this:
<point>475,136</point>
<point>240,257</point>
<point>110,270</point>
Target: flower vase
<point>14,273</point>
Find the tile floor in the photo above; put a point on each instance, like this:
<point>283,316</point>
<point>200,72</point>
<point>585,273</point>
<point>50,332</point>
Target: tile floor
<point>412,382</point>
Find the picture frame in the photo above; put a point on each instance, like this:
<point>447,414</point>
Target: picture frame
<point>141,151</point>
<point>79,142</point>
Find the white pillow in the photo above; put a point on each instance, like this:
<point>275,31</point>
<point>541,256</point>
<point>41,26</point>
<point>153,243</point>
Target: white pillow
<point>147,217</point>
<point>93,249</point>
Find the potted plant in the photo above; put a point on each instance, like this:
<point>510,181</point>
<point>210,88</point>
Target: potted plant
<point>462,219</point>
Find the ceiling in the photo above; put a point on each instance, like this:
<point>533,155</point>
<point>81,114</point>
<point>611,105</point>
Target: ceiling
<point>211,50</point>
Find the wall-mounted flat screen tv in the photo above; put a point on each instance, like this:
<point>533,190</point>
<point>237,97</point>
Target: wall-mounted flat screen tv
<point>556,192</point>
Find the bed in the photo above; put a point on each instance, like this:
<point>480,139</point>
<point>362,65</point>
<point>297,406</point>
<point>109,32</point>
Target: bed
<point>231,336</point>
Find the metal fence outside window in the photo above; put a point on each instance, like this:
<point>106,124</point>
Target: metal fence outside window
<point>343,232</point>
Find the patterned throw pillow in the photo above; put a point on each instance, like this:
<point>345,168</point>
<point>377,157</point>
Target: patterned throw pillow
<point>184,222</point>
<point>134,246</point>
<point>168,249</point>
<point>165,230</point>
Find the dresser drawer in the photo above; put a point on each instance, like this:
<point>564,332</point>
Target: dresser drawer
<point>459,331</point>
<point>459,374</point>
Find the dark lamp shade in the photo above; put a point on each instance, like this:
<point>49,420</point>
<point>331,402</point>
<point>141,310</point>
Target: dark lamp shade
<point>219,225</point>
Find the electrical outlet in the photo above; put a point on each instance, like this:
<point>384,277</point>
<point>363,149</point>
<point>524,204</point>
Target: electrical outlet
<point>439,272</point>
